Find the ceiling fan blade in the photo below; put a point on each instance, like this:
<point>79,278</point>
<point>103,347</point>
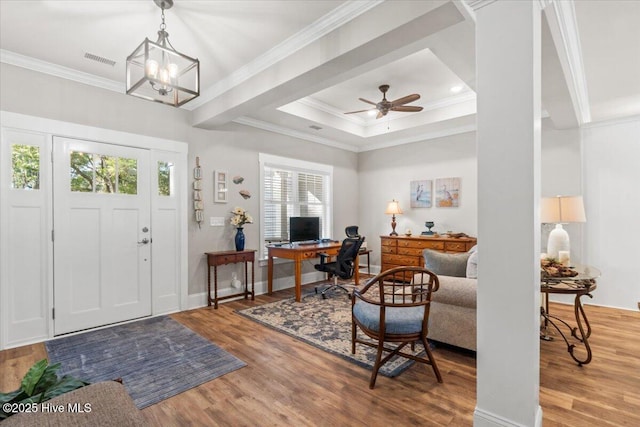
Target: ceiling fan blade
<point>360,111</point>
<point>405,99</point>
<point>367,101</point>
<point>406,108</point>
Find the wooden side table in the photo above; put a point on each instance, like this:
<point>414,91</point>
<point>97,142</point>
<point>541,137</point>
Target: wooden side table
<point>366,252</point>
<point>215,259</point>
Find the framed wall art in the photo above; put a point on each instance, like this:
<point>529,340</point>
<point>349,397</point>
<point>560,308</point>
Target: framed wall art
<point>420,193</point>
<point>447,192</point>
<point>220,186</point>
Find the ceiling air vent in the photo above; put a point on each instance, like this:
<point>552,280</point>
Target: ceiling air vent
<point>315,127</point>
<point>99,59</point>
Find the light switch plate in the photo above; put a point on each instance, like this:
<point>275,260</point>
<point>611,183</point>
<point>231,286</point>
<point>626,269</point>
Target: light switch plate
<point>216,221</point>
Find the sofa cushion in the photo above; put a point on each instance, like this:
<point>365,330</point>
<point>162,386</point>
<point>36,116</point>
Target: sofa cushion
<point>446,264</point>
<point>398,320</point>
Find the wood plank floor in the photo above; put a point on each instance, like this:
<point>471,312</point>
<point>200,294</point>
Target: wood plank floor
<point>290,383</point>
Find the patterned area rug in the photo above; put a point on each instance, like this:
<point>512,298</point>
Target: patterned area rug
<point>326,324</point>
<point>157,358</point>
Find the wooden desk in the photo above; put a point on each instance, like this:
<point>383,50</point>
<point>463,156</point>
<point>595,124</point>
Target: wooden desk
<point>214,259</point>
<point>299,253</point>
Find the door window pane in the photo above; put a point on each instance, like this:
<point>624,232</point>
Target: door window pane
<point>105,168</point>
<point>103,174</point>
<point>25,166</point>
<point>81,172</point>
<point>127,176</point>
<point>164,178</point>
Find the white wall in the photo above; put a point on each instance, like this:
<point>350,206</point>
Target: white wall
<point>611,177</point>
<point>234,150</point>
<point>562,175</point>
<point>385,174</point>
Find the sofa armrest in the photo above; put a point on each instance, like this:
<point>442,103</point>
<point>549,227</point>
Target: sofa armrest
<point>459,291</point>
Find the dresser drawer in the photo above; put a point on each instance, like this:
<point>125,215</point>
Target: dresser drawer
<point>410,251</point>
<point>455,246</point>
<point>388,249</point>
<point>388,242</point>
<point>402,260</point>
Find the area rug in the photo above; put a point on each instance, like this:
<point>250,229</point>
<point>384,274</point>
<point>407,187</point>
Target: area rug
<point>156,358</point>
<point>326,324</point>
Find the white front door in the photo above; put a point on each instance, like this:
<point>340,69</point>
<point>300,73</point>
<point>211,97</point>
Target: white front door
<point>102,236</point>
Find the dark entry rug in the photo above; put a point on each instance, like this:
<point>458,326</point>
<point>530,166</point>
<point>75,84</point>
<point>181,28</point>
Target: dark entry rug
<point>157,358</point>
<point>326,324</point>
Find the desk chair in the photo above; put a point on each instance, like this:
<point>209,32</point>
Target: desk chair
<point>388,309</point>
<point>352,231</point>
<point>344,266</point>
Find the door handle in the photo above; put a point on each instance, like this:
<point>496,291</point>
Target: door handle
<point>144,241</point>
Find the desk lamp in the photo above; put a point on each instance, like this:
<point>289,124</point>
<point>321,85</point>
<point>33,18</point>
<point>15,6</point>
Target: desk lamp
<point>559,210</point>
<point>393,208</point>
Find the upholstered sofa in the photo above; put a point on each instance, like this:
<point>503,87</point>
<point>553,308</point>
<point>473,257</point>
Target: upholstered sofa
<point>104,404</point>
<point>452,319</point>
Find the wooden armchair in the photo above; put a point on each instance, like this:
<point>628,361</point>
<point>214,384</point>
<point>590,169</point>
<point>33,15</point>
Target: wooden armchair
<point>388,309</point>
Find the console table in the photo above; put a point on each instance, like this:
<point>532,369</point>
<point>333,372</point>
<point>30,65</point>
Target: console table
<point>407,250</point>
<point>582,284</point>
<point>215,259</point>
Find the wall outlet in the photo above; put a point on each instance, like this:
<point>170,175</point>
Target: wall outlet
<point>216,221</point>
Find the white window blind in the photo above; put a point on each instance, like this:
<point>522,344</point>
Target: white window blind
<point>293,188</point>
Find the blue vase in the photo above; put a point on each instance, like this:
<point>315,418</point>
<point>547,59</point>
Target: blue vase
<point>240,239</point>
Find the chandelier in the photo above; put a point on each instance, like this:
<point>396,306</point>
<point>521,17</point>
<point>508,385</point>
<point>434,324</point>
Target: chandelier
<point>157,72</point>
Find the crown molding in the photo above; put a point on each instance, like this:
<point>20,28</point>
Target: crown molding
<point>259,124</point>
<point>564,27</point>
<point>475,5</point>
<point>270,127</point>
<point>321,27</point>
<point>12,58</point>
<point>612,122</point>
<point>421,137</point>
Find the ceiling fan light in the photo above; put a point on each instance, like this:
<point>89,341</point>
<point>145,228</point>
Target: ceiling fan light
<point>372,112</point>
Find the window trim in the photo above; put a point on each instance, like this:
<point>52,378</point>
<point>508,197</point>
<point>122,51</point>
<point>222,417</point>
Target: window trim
<point>269,160</point>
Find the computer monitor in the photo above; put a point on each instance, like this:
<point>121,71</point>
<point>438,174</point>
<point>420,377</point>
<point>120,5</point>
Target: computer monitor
<point>304,228</point>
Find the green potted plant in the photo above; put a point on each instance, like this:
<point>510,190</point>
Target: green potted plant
<point>40,383</point>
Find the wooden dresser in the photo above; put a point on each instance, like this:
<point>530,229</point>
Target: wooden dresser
<point>403,250</point>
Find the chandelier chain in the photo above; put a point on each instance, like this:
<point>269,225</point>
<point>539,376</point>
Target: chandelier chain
<point>163,26</point>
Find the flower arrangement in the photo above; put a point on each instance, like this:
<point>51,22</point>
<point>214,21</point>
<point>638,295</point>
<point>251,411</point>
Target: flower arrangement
<point>240,217</point>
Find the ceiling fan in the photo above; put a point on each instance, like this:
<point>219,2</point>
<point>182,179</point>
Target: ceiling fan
<point>385,106</point>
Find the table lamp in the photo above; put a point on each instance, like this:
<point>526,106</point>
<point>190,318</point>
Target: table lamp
<point>559,210</point>
<point>393,208</point>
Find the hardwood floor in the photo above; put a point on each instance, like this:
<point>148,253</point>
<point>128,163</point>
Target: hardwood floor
<point>288,382</point>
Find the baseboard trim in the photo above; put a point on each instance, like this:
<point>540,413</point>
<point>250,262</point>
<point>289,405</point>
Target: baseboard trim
<point>482,418</point>
<point>199,300</point>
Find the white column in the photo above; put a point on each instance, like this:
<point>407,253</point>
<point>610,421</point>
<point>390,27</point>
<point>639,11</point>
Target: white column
<point>508,68</point>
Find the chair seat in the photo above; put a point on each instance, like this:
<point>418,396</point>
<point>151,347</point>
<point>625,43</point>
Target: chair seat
<point>398,320</point>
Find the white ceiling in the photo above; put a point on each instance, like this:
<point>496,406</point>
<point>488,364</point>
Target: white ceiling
<point>287,65</point>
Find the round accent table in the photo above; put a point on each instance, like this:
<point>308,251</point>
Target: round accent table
<point>582,284</point>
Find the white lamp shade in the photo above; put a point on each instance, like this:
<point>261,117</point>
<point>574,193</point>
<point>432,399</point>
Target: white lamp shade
<point>562,209</point>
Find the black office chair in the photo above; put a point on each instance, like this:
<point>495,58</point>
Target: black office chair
<point>344,266</point>
<point>352,231</point>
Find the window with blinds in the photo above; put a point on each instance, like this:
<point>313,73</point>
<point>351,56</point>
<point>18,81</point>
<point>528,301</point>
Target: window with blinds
<point>293,188</point>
